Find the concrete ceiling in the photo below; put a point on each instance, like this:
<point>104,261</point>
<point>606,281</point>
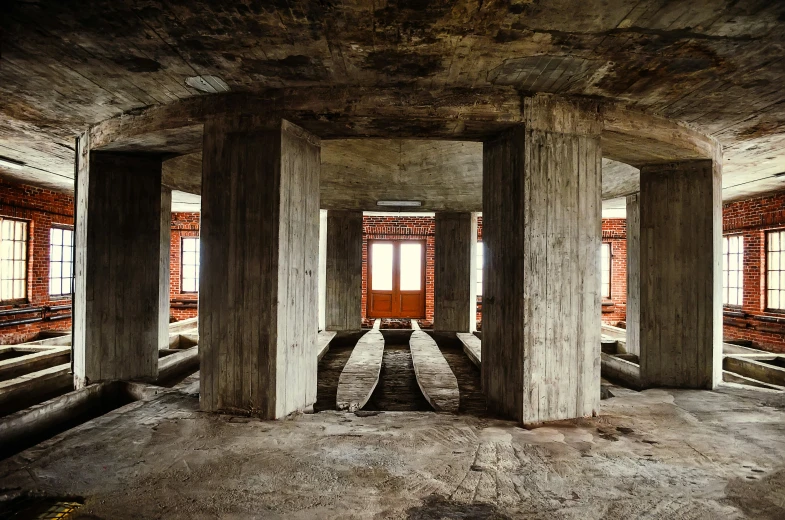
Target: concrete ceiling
<point>356,173</point>
<point>397,69</point>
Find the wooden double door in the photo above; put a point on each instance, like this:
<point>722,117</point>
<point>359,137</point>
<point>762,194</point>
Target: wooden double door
<point>396,279</point>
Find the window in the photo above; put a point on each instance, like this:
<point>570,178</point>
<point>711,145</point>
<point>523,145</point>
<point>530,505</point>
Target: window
<point>13,259</point>
<point>479,268</point>
<point>732,270</point>
<point>606,270</point>
<point>775,270</point>
<point>189,265</point>
<point>61,257</point>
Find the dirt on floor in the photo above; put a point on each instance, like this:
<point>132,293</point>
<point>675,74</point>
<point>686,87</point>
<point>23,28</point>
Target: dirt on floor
<point>660,454</point>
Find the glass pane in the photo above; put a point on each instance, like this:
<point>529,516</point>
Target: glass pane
<point>55,254</point>
<point>774,242</point>
<point>188,285</point>
<point>411,266</point>
<point>68,237</point>
<point>18,250</point>
<point>189,258</point>
<point>52,286</point>
<point>5,290</point>
<point>19,289</point>
<point>21,230</point>
<point>7,229</point>
<point>774,301</point>
<point>381,266</point>
<point>19,270</point>
<point>56,236</point>
<point>6,249</point>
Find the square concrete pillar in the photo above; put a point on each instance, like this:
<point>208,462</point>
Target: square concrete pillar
<point>344,270</point>
<point>121,300</point>
<point>258,298</point>
<point>633,319</point>
<point>542,236</point>
<point>677,289</point>
<point>455,284</point>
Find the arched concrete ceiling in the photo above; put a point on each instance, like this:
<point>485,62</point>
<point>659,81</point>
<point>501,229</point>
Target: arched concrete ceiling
<point>397,69</point>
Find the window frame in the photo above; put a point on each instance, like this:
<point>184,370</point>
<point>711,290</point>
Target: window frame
<point>182,263</point>
<point>479,267</point>
<point>740,270</point>
<point>63,227</point>
<point>26,248</point>
<point>767,234</point>
<point>610,271</point>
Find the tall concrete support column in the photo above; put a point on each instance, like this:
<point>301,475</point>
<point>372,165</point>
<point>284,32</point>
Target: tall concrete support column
<point>344,270</point>
<point>633,319</point>
<point>258,298</point>
<point>121,302</point>
<point>679,282</point>
<point>542,236</point>
<point>455,284</point>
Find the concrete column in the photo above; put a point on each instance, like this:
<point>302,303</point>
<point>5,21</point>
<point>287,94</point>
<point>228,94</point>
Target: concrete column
<point>455,285</point>
<point>121,303</point>
<point>680,285</point>
<point>258,298</point>
<point>542,235</point>
<point>633,319</point>
<point>344,270</point>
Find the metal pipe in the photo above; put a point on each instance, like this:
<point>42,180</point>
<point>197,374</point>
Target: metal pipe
<point>59,317</point>
<point>14,312</point>
<point>11,323</point>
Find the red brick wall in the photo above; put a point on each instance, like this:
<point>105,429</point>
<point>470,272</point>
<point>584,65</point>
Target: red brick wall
<point>752,218</point>
<point>614,232</point>
<point>401,228</point>
<point>41,209</point>
<point>183,225</point>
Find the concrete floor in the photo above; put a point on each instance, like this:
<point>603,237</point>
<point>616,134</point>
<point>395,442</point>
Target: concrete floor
<point>656,454</point>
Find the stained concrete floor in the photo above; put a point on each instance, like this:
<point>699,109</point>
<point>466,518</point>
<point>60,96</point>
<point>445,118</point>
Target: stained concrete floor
<point>656,454</point>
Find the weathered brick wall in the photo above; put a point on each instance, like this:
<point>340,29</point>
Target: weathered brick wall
<point>41,209</point>
<point>401,228</point>
<point>752,218</point>
<point>614,232</point>
<point>183,225</point>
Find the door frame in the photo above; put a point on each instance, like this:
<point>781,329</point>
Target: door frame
<point>396,277</point>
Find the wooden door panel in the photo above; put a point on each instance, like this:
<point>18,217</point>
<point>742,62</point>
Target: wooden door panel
<point>381,304</point>
<point>412,305</point>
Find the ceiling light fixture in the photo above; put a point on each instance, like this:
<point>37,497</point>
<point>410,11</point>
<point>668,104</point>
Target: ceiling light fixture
<point>11,163</point>
<point>400,203</point>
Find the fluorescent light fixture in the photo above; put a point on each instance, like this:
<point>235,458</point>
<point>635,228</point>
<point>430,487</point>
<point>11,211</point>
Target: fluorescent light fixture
<point>400,203</point>
<point>11,163</point>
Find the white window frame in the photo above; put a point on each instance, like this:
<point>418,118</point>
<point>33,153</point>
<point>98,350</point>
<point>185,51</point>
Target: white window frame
<point>61,258</point>
<point>480,259</point>
<point>606,270</point>
<point>188,284</point>
<point>14,242</point>
<point>733,270</point>
<point>775,270</point>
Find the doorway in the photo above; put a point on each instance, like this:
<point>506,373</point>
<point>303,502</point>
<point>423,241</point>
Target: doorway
<point>396,279</point>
